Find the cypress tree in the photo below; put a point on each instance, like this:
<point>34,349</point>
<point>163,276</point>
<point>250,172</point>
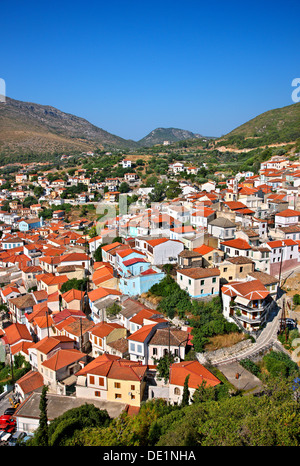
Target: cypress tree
<point>186,392</point>
<point>42,434</point>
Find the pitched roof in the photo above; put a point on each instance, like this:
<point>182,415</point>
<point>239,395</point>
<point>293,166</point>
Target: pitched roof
<point>47,344</point>
<point>17,332</point>
<point>72,294</point>
<point>237,243</point>
<point>203,249</point>
<point>141,334</point>
<point>197,374</point>
<point>102,329</point>
<point>288,213</point>
<point>102,292</point>
<point>251,290</point>
<point>222,222</point>
<point>200,272</point>
<point>23,301</point>
<point>31,381</point>
<point>176,337</point>
<point>63,358</point>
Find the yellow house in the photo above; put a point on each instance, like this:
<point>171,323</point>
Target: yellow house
<point>104,333</point>
<point>51,283</point>
<point>127,384</point>
<point>235,268</point>
<point>111,378</point>
<point>73,299</point>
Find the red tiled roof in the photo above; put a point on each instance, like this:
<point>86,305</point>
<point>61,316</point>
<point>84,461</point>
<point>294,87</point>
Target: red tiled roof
<point>237,243</point>
<point>196,372</point>
<point>288,213</point>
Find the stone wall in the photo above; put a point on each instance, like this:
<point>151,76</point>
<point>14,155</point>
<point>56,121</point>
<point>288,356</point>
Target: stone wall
<point>211,357</point>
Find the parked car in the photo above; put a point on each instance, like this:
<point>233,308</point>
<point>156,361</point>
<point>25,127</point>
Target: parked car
<point>7,423</point>
<point>16,438</point>
<point>4,437</point>
<point>26,438</point>
<point>10,411</point>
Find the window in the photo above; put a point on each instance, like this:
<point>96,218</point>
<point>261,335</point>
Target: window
<point>190,282</point>
<point>132,347</point>
<point>139,348</point>
<point>202,282</point>
<point>101,381</point>
<point>176,391</point>
<point>117,385</point>
<point>154,351</point>
<point>214,280</point>
<point>132,387</point>
<point>225,269</point>
<point>97,393</point>
<point>118,395</point>
<point>241,269</point>
<point>92,380</point>
<point>202,291</point>
<point>180,277</point>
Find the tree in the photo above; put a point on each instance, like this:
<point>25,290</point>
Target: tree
<point>158,193</point>
<point>98,253</point>
<point>163,366</point>
<point>64,429</point>
<point>186,393</point>
<point>41,436</point>
<point>173,190</point>
<point>75,284</point>
<point>113,310</point>
<point>124,187</point>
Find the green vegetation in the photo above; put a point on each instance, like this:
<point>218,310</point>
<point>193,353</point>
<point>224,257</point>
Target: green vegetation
<point>9,374</point>
<point>276,363</point>
<point>215,418</point>
<point>174,299</point>
<point>64,430</point>
<point>273,126</point>
<point>74,284</point>
<point>205,318</point>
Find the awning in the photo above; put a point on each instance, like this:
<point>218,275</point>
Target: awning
<point>241,300</point>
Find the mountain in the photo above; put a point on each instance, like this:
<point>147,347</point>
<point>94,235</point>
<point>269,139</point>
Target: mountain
<point>41,129</point>
<point>159,135</point>
<point>274,126</point>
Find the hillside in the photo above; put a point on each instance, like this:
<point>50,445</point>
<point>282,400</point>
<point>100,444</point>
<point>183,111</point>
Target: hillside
<point>41,129</point>
<point>159,135</point>
<point>274,126</point>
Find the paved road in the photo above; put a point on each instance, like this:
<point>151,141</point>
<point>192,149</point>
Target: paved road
<point>266,339</point>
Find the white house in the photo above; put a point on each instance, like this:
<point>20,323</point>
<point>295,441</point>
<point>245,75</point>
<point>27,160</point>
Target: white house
<point>126,163</point>
<point>286,218</point>
<point>161,250</point>
<point>199,282</point>
<point>202,216</point>
<point>94,243</point>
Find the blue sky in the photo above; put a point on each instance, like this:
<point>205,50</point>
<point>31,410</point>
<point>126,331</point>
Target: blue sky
<point>132,66</point>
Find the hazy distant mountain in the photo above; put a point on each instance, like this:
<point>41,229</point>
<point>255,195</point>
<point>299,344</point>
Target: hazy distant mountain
<point>159,135</point>
<point>33,128</point>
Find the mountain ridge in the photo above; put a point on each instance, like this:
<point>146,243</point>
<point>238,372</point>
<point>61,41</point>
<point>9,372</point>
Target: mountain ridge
<point>159,135</point>
<point>39,130</point>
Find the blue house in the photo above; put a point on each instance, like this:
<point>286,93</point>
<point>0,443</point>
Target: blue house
<point>134,266</point>
<point>125,256</point>
<point>141,283</point>
<point>30,224</point>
